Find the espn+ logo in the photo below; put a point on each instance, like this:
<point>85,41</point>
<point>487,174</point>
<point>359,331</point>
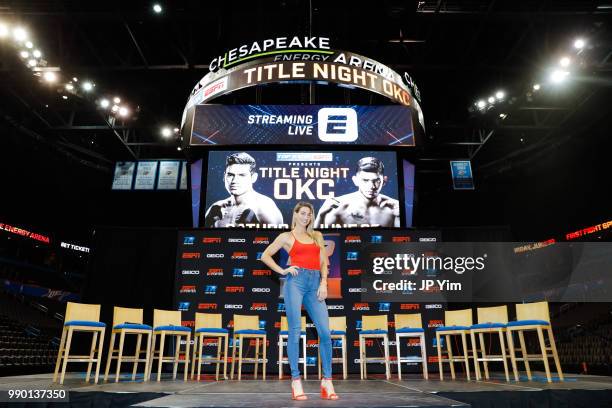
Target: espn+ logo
<point>337,124</point>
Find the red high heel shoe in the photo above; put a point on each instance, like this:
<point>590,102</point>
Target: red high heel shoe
<point>298,397</point>
<point>324,393</point>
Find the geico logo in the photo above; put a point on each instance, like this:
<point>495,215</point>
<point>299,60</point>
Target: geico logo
<point>409,306</point>
<point>391,342</point>
<point>361,306</point>
<point>188,289</point>
<point>215,255</point>
<point>234,289</point>
<point>435,323</point>
<point>233,306</point>
<point>368,343</point>
<point>215,272</point>
<point>352,239</point>
<point>207,306</point>
<point>358,290</point>
<point>335,307</point>
<point>190,272</point>
<point>434,306</point>
<point>354,272</point>
<point>427,239</point>
<point>236,240</point>
<point>191,255</point>
<point>262,272</point>
<point>188,323</point>
<point>259,306</point>
<point>260,290</point>
<point>261,240</point>
<point>240,255</point>
<point>400,239</point>
<point>211,240</point>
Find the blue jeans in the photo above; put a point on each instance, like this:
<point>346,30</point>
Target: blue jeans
<point>303,289</point>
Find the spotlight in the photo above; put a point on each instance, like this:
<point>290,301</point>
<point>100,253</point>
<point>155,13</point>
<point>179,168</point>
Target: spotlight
<point>50,76</point>
<point>536,87</point>
<point>87,86</point>
<point>115,108</point>
<point>32,62</point>
<point>74,79</point>
<point>69,87</point>
<point>481,104</point>
<point>20,34</point>
<point>500,95</point>
<point>116,99</point>
<point>4,30</point>
<point>157,8</point>
<point>105,103</point>
<point>558,76</point>
<point>579,43</point>
<point>564,62</point>
<point>24,54</point>
<point>29,44</point>
<point>64,97</point>
<point>123,111</point>
<point>166,132</point>
<point>179,148</point>
<point>176,130</point>
<point>503,115</point>
<point>491,99</point>
<point>37,54</point>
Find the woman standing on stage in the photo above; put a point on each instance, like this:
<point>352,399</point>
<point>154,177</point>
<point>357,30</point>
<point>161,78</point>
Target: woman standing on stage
<point>306,283</point>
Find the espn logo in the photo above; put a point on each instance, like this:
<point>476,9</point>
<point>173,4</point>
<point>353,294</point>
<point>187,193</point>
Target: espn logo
<point>207,306</point>
<point>259,306</point>
<point>188,289</point>
<point>240,255</point>
<point>191,255</point>
<point>234,289</point>
<point>435,323</point>
<point>262,272</point>
<point>215,87</point>
<point>355,272</point>
<point>400,239</point>
<point>261,240</point>
<point>352,239</point>
<point>337,125</point>
<point>409,306</point>
<point>363,307</point>
<point>211,240</point>
<point>368,343</point>
<point>214,272</point>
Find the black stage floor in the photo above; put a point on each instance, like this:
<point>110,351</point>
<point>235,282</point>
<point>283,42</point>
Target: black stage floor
<point>413,391</point>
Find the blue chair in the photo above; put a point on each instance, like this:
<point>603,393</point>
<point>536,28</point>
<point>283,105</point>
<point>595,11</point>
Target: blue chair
<point>373,327</point>
<point>168,323</point>
<point>490,320</point>
<point>209,325</point>
<point>247,327</point>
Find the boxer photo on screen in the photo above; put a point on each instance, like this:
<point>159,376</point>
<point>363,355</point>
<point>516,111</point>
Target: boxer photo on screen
<point>244,205</point>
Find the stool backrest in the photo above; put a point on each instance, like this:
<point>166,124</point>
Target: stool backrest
<point>458,317</point>
<point>126,315</point>
<point>246,322</point>
<point>166,317</point>
<point>82,311</point>
<point>285,325</point>
<point>533,311</point>
<point>412,320</point>
<point>378,322</point>
<point>337,323</point>
<point>496,314</point>
<point>208,320</point>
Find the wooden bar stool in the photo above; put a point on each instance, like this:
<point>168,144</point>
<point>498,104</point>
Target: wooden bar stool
<point>411,326</point>
<point>85,318</point>
<point>337,327</point>
<point>490,320</point>
<point>128,321</point>
<point>209,325</point>
<point>373,327</point>
<point>457,323</point>
<point>247,327</point>
<point>284,336</point>
<point>168,323</point>
<point>530,317</point>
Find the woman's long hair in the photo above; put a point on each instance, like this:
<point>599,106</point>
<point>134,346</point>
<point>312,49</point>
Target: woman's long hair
<point>309,228</point>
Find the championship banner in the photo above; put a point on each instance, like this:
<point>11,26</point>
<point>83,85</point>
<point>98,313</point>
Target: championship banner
<point>259,189</point>
<point>461,172</point>
<point>389,125</point>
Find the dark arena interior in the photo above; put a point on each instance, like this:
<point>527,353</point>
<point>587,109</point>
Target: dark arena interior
<point>452,245</point>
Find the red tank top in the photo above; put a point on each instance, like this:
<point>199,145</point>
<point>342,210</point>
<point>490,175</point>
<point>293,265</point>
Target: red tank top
<point>305,255</point>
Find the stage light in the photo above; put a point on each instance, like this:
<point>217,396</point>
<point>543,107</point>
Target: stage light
<point>69,87</point>
<point>123,111</point>
<point>64,97</point>
<point>481,104</point>
<point>157,8</point>
<point>87,86</point>
<point>176,130</point>
<point>536,87</point>
<point>179,148</point>
<point>564,62</point>
<point>4,30</point>
<point>500,95</point>
<point>116,99</point>
<point>29,44</point>
<point>503,115</point>
<point>166,132</point>
<point>32,62</point>
<point>74,79</point>
<point>24,54</point>
<point>558,76</point>
<point>579,43</point>
<point>37,54</point>
<point>115,108</point>
<point>50,76</point>
<point>20,34</point>
<point>491,99</point>
<point>105,103</point>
